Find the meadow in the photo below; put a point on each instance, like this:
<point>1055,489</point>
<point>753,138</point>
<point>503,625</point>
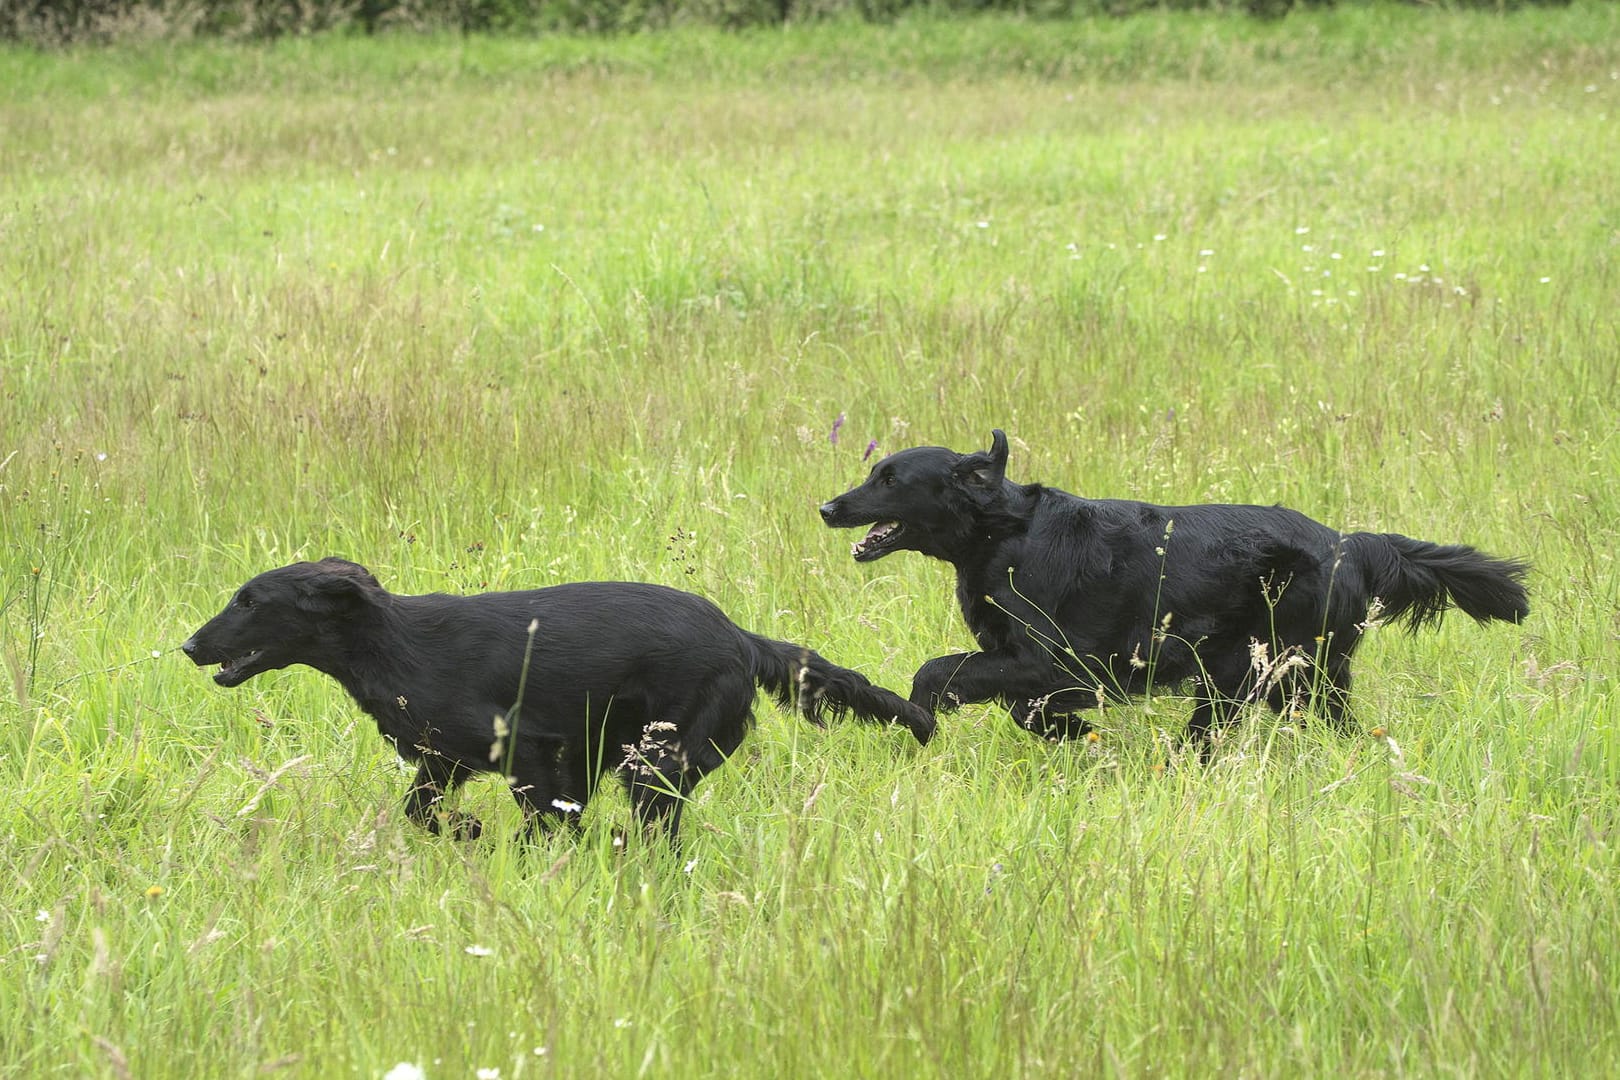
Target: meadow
<point>493,313</point>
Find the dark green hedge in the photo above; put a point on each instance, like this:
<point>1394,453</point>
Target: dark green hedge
<point>62,21</point>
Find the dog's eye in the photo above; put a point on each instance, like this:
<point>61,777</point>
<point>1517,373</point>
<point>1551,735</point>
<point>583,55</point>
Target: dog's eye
<point>888,481</point>
<point>244,601</point>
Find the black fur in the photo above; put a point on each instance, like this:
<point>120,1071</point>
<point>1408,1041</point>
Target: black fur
<point>651,682</point>
<point>1073,600</point>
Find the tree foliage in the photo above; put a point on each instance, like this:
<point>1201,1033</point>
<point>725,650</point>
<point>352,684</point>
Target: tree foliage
<point>50,22</point>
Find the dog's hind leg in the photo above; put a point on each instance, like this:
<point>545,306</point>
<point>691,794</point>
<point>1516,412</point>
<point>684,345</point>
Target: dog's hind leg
<point>1324,688</point>
<point>659,788</point>
<point>1212,710</point>
<point>551,785</point>
<point>1221,691</point>
<point>1335,696</point>
<point>673,756</point>
<point>436,778</point>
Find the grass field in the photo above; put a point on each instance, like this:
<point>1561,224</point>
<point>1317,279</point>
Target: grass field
<point>494,314</point>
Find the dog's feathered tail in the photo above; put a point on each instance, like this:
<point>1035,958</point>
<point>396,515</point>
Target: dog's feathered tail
<point>1416,580</point>
<point>802,678</point>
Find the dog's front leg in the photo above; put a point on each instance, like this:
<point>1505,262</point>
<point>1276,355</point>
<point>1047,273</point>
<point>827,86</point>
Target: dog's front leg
<point>946,682</point>
<point>435,779</point>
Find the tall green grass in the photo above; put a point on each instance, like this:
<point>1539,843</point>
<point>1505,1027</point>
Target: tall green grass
<point>492,314</point>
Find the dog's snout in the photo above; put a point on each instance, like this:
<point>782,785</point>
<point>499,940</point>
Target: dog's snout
<point>189,646</point>
<point>828,510</point>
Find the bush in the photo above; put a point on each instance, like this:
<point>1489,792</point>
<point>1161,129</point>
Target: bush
<point>53,22</point>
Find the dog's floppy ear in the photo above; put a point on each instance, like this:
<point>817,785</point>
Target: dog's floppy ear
<point>998,450</point>
<point>335,585</point>
<point>346,568</point>
<point>990,468</point>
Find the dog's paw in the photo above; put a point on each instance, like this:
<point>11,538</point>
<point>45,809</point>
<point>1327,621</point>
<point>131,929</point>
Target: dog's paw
<point>1033,717</point>
<point>921,722</point>
<point>458,824</point>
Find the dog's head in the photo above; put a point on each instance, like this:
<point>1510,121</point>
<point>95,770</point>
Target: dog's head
<point>924,499</point>
<point>291,615</point>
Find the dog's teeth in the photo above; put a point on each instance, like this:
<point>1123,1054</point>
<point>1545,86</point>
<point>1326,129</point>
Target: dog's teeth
<point>876,535</point>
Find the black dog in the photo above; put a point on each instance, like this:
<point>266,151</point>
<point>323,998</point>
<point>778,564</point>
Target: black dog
<point>552,687</point>
<point>1073,600</point>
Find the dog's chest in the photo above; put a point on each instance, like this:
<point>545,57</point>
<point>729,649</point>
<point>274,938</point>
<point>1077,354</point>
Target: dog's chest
<point>396,721</point>
<point>987,615</point>
<point>1003,607</point>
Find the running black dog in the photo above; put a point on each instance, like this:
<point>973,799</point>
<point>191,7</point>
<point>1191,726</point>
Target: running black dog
<point>1076,600</point>
<point>551,687</point>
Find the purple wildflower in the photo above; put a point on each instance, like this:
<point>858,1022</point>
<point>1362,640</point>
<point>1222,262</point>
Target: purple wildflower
<point>838,423</point>
<point>870,447</point>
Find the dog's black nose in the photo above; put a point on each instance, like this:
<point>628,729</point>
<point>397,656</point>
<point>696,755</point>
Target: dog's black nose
<point>827,512</point>
<point>189,646</point>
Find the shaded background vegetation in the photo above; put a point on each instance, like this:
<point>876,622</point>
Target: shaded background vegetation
<point>61,21</point>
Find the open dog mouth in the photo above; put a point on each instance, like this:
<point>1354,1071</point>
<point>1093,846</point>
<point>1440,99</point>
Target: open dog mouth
<point>237,668</point>
<point>877,542</point>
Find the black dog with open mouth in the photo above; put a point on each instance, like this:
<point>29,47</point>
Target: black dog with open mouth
<point>552,687</point>
<point>1075,600</point>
